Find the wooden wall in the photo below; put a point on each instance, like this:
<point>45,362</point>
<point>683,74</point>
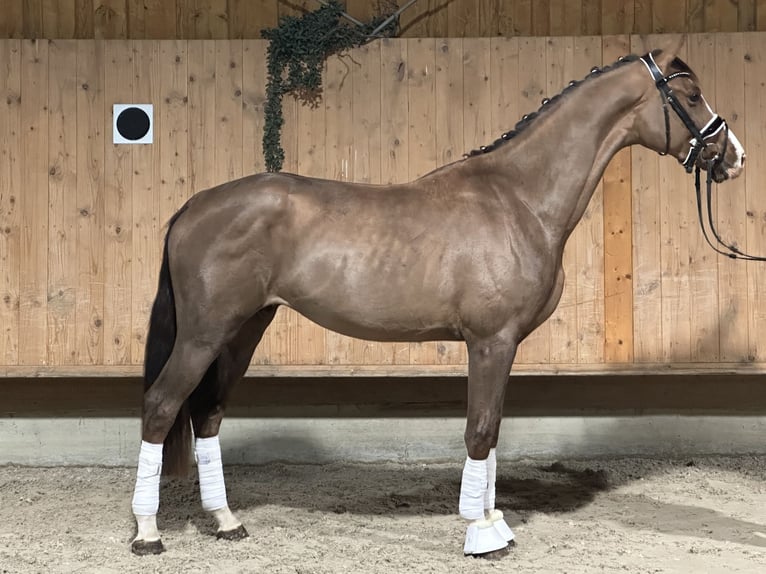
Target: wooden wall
<point>230,19</point>
<point>81,220</point>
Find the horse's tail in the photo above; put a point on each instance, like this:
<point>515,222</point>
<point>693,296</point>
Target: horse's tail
<point>176,454</point>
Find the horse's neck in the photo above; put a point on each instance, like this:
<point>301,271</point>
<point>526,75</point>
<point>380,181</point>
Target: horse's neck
<point>558,163</point>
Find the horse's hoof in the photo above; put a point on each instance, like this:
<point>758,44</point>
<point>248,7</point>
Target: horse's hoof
<point>237,534</point>
<point>496,554</point>
<point>144,548</point>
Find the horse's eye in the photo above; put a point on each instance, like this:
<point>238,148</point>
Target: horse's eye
<point>695,97</point>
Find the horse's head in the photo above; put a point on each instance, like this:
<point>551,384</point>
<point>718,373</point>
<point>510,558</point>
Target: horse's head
<point>677,120</point>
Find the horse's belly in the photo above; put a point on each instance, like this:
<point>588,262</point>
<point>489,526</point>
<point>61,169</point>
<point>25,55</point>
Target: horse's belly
<point>355,319</point>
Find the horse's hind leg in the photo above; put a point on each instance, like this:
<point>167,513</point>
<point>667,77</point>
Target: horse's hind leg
<point>185,367</point>
<point>489,363</point>
<point>207,405</point>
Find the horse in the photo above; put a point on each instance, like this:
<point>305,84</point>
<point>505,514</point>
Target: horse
<point>471,251</point>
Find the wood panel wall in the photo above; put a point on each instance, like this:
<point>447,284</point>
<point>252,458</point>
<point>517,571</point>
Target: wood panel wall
<point>233,19</point>
<point>81,220</point>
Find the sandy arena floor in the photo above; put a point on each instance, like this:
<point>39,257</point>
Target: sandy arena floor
<point>705,515</point>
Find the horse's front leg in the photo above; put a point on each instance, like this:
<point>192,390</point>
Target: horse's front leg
<point>489,363</point>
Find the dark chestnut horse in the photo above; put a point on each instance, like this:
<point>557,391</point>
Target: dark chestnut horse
<point>469,252</point>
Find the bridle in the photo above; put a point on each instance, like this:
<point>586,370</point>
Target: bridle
<point>697,144</point>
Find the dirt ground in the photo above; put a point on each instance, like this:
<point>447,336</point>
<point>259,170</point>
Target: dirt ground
<point>632,515</point>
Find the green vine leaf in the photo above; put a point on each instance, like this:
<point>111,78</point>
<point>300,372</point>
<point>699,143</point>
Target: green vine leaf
<point>298,49</point>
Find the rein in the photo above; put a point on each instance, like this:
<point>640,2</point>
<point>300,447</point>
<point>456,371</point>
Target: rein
<point>697,144</point>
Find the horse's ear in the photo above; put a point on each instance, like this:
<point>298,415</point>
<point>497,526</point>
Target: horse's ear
<point>670,50</point>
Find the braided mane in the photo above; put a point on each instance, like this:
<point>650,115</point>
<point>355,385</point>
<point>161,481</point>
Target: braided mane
<point>546,104</point>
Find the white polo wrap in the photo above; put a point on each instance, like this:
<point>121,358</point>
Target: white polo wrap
<point>212,489</point>
<point>472,489</point>
<point>489,495</point>
<point>146,496</point>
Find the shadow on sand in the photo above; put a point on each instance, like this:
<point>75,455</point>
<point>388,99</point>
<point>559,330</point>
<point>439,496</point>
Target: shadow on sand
<point>524,489</point>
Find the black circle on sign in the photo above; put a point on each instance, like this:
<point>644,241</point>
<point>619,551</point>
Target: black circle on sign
<point>133,123</point>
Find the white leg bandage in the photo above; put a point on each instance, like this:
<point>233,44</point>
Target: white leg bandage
<point>146,497</point>
<point>489,495</point>
<point>472,489</point>
<point>211,485</point>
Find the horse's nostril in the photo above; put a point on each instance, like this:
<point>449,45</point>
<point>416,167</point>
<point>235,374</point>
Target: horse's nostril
<point>742,161</point>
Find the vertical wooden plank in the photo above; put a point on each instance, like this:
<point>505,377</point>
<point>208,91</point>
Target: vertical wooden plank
<point>83,24</point>
<point>564,339</point>
<point>339,138</point>
<point>118,211</point>
<point>643,18</point>
<point>90,202</point>
<point>253,98</point>
<point>617,17</point>
<point>755,140</point>
<point>720,16</point>
<point>137,16</point>
<point>246,19</point>
<point>668,17</point>
<point>394,154</point>
<point>677,212</point>
<point>532,85</point>
<point>492,15</point>
<point>12,20</point>
<point>310,337</point>
<point>565,18</point>
<point>33,204</point>
<point>703,261</point>
<point>464,19</point>
<point>58,18</point>
<point>733,301</point>
<point>365,162</point>
<point>111,19</point>
<point>746,15</point>
<point>33,18</point>
<point>171,131</point>
<point>10,200</point>
<point>146,244</point>
<point>760,16</point>
<point>155,19</point>
<point>648,342</point>
<point>592,18</point>
<point>203,120</point>
<point>541,17</point>
<point>450,92</point>
<point>506,19</point>
<point>208,20</point>
<point>695,15</point>
<point>477,119</point>
<point>228,106</point>
<point>62,202</point>
<point>522,18</point>
<point>173,126</point>
<point>422,139</point>
<point>587,241</point>
<point>504,72</point>
<point>618,240</point>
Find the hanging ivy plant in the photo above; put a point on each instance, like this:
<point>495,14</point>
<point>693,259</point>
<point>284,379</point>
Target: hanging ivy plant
<point>298,48</point>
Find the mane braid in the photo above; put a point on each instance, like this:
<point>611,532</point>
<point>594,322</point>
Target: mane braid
<point>527,119</point>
